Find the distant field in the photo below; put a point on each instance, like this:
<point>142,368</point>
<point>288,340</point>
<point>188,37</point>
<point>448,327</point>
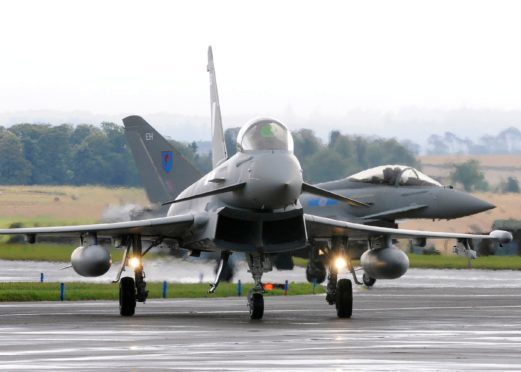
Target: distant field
<point>49,205</point>
<point>495,167</point>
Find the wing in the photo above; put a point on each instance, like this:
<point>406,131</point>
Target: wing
<point>322,227</point>
<point>166,227</point>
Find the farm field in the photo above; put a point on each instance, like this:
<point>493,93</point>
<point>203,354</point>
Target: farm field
<point>495,167</point>
<point>68,205</point>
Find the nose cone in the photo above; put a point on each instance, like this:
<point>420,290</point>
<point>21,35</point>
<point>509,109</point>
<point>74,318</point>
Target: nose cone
<point>454,204</point>
<point>275,180</point>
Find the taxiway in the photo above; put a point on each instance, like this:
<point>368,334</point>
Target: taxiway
<point>391,329</point>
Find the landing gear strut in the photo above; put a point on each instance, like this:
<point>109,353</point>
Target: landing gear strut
<point>259,264</point>
<point>223,263</point>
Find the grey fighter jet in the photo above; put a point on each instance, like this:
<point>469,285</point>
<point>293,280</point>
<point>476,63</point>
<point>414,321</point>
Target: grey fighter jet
<point>391,192</point>
<point>248,203</point>
<point>394,192</point>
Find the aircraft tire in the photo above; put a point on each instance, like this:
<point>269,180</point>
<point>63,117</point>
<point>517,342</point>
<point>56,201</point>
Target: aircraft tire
<point>127,296</point>
<point>256,304</point>
<point>368,281</point>
<point>344,298</point>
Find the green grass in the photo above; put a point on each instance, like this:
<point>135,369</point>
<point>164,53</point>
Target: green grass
<point>21,291</point>
<point>45,252</point>
<point>37,221</point>
<point>456,262</point>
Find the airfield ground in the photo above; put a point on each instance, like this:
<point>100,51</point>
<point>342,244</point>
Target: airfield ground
<point>406,329</point>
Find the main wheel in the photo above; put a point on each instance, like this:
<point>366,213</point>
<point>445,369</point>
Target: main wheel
<point>256,304</point>
<point>127,296</point>
<point>344,298</point>
<point>368,281</point>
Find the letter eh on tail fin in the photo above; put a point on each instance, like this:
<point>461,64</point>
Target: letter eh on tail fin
<point>218,145</point>
<point>163,170</point>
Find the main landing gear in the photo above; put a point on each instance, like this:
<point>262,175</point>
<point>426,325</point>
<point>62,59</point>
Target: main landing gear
<point>259,264</point>
<point>339,292</point>
<point>132,290</point>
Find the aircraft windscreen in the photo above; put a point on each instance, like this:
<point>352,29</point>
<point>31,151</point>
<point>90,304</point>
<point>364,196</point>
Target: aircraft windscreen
<point>265,134</point>
<point>394,175</point>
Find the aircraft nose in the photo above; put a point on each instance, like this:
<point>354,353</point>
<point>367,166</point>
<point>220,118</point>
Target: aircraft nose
<point>275,180</point>
<point>461,204</point>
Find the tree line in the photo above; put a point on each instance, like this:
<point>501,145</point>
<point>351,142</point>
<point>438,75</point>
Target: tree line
<point>42,154</point>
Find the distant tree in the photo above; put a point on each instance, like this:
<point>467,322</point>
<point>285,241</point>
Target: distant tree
<point>230,140</point>
<point>306,143</point>
<point>14,169</point>
<point>324,166</point>
<point>469,175</point>
<point>511,185</point>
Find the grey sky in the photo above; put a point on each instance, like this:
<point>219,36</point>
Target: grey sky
<point>297,59</point>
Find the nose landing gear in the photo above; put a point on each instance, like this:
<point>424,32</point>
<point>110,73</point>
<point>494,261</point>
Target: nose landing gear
<point>259,264</point>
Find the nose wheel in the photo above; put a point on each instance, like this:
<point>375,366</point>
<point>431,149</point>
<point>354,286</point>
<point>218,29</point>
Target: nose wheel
<point>258,264</point>
<point>256,305</point>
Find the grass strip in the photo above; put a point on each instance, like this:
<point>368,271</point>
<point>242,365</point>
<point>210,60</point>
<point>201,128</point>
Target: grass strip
<point>75,291</point>
<point>457,262</point>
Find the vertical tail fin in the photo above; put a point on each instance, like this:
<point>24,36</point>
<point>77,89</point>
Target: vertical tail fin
<point>163,170</point>
<point>218,145</point>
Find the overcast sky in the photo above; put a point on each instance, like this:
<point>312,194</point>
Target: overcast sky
<point>282,58</point>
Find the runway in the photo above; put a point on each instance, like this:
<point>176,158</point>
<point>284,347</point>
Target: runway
<point>406,329</point>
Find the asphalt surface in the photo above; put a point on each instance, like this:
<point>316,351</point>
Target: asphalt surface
<point>400,328</point>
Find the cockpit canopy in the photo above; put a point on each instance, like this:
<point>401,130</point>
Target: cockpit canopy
<point>395,175</point>
<point>264,134</point>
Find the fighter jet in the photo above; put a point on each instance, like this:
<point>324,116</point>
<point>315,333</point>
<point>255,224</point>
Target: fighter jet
<point>391,192</point>
<point>394,192</point>
<point>248,203</point>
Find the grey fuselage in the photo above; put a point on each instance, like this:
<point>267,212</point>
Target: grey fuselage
<point>388,203</point>
<point>264,215</point>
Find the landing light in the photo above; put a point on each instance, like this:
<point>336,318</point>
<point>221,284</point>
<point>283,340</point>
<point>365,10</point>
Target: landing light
<point>340,263</point>
<point>134,262</point>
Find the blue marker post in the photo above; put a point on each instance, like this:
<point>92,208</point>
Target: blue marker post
<point>164,289</point>
<point>286,287</point>
<point>41,277</point>
<point>62,291</point>
<point>239,288</point>
<point>314,284</point>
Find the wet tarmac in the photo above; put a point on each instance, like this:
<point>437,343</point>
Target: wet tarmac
<point>399,327</point>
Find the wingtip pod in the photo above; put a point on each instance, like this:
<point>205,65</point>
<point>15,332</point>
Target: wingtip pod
<point>503,237</point>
